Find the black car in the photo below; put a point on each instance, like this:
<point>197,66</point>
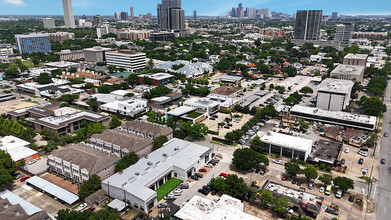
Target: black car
<point>332,211</point>
<point>207,187</point>
<point>183,186</point>
<point>204,192</point>
<point>250,170</point>
<point>257,170</point>
<point>199,175</point>
<point>262,172</point>
<point>299,183</point>
<point>360,161</point>
<point>213,119</point>
<point>364,149</point>
<point>343,161</point>
<point>294,181</point>
<point>351,198</point>
<point>194,177</point>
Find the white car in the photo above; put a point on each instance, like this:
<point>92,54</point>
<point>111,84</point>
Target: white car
<point>347,150</point>
<point>209,165</point>
<point>81,207</point>
<point>32,162</point>
<point>277,161</point>
<point>362,153</point>
<point>321,190</point>
<point>289,210</point>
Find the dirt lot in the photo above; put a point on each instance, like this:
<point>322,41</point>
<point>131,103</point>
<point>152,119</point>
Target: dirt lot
<point>213,125</point>
<point>13,105</point>
<point>60,182</point>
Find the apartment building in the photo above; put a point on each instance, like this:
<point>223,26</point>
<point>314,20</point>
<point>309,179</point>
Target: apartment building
<point>71,55</point>
<point>61,36</point>
<point>77,162</point>
<point>6,51</point>
<point>133,35</point>
<point>130,60</point>
<point>147,129</point>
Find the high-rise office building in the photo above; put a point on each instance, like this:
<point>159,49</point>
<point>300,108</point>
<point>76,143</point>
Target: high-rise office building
<point>344,33</point>
<point>97,20</point>
<point>124,16</point>
<point>117,16</point>
<point>131,13</point>
<point>49,23</point>
<point>233,12</point>
<point>334,15</point>
<point>33,43</point>
<point>68,14</point>
<point>307,25</point>
<point>194,14</point>
<point>171,17</point>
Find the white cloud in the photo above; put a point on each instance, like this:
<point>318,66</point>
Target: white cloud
<point>14,2</point>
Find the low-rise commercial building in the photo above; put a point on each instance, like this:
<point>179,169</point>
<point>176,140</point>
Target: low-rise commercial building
<point>36,111</point>
<point>6,51</point>
<point>356,59</point>
<point>335,117</point>
<point>130,60</point>
<point>155,79</point>
<point>130,107</point>
<point>187,113</point>
<point>18,149</point>
<point>164,101</point>
<point>326,152</point>
<point>162,36</point>
<point>287,145</point>
<point>147,129</point>
<point>224,92</point>
<point>96,54</point>
<point>71,55</point>
<point>137,184</point>
<point>201,208</point>
<point>203,105</point>
<point>231,79</point>
<point>6,97</point>
<point>348,72</point>
<point>121,143</point>
<point>334,94</point>
<point>77,162</point>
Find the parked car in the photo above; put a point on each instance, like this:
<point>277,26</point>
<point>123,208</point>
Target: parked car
<point>283,178</point>
<point>294,181</point>
<point>386,134</point>
<point>81,207</point>
<point>301,189</point>
<point>194,177</point>
<point>339,194</point>
<point>209,165</point>
<point>19,175</point>
<point>199,175</point>
<point>289,210</point>
<point>203,191</point>
<point>32,162</point>
<point>184,186</point>
<point>277,161</point>
<point>332,211</point>
<point>177,193</point>
<point>310,186</point>
<point>383,161</point>
<point>262,172</point>
<point>364,149</point>
<point>224,174</point>
<point>351,198</point>
<point>321,190</point>
<point>202,170</point>
<point>347,150</point>
<point>361,161</point>
<point>299,182</point>
<point>213,192</point>
<point>362,153</point>
<point>343,161</point>
<point>163,205</point>
<point>168,197</point>
<point>257,170</point>
<point>24,178</point>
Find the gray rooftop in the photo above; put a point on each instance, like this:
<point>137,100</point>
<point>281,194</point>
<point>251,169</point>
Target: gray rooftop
<point>228,78</point>
<point>348,70</point>
<point>340,86</point>
<point>147,128</point>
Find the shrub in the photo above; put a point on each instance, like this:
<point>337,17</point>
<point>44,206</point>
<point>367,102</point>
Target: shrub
<point>322,166</point>
<point>328,168</point>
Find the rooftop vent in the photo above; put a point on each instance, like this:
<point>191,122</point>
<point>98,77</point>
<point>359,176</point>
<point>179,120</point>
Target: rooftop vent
<point>137,174</point>
<point>5,205</point>
<point>149,163</point>
<point>16,212</point>
<point>176,149</point>
<point>164,155</point>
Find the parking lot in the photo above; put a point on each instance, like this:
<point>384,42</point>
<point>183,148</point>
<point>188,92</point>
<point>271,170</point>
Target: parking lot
<point>39,167</point>
<point>213,124</point>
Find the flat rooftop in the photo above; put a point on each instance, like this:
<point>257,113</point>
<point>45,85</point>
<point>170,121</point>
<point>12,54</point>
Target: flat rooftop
<point>147,128</point>
<point>97,49</point>
<point>204,102</point>
<point>348,70</point>
<point>296,143</point>
<point>325,151</point>
<point>226,90</point>
<point>16,147</point>
<point>137,178</point>
<point>339,86</point>
<point>226,208</point>
<point>346,116</point>
<point>356,56</point>
<point>126,52</point>
<point>181,110</point>
<point>64,120</point>
<point>158,76</point>
<point>228,78</point>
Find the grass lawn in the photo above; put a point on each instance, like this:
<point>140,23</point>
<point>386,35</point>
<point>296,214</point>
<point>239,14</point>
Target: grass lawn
<point>167,187</point>
<point>28,63</point>
<point>194,115</point>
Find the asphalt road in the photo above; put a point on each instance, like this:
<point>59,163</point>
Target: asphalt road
<point>383,190</point>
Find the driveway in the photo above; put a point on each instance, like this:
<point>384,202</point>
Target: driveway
<point>189,193</point>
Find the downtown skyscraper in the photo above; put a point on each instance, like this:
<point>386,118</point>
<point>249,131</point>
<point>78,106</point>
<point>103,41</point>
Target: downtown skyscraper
<point>68,14</point>
<point>171,17</point>
<point>307,25</point>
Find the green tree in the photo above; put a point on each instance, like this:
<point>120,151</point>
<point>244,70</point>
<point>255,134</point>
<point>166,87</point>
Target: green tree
<point>306,90</point>
<point>90,186</point>
<point>344,183</point>
<point>94,104</point>
<point>43,78</point>
<point>290,70</point>
<point>234,186</point>
<point>132,79</point>
<point>327,179</point>
<point>292,169</point>
<point>147,80</point>
<point>126,161</point>
<point>372,106</point>
<point>302,124</point>
<point>102,214</point>
<point>115,122</point>
<point>70,98</point>
<point>11,73</point>
<point>72,70</point>
<point>257,145</point>
<point>266,198</point>
<point>247,158</point>
<point>310,172</point>
<point>159,141</point>
<point>280,206</point>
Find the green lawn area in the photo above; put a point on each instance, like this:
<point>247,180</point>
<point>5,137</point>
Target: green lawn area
<point>194,115</point>
<point>28,63</point>
<point>167,187</point>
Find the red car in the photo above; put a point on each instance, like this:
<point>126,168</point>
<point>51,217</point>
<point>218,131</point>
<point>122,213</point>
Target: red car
<point>202,170</point>
<point>224,174</point>
<point>284,178</point>
<point>24,178</point>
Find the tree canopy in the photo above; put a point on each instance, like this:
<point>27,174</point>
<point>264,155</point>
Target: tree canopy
<point>257,145</point>
<point>344,183</point>
<point>159,141</point>
<point>115,122</point>
<point>126,161</point>
<point>90,186</point>
<point>310,172</point>
<point>70,98</point>
<point>372,106</point>
<point>102,214</point>
<point>94,104</point>
<point>247,158</point>
<point>43,78</point>
<point>306,90</point>
<point>7,168</point>
<point>327,179</point>
<point>233,186</point>
<point>292,169</point>
<point>280,206</point>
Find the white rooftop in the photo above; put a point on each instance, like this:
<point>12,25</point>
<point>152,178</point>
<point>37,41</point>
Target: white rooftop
<point>14,199</point>
<point>356,56</point>
<point>54,120</point>
<point>292,142</point>
<point>349,117</point>
<point>226,208</point>
<point>181,110</point>
<point>137,178</point>
<point>16,147</point>
<point>348,70</point>
<point>336,86</point>
<point>159,76</point>
<point>204,102</point>
<point>120,92</point>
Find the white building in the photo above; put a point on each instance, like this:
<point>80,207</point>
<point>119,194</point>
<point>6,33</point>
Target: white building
<point>6,51</point>
<point>189,69</point>
<point>201,208</point>
<point>334,94</point>
<point>95,54</point>
<point>203,105</point>
<point>335,117</point>
<point>137,184</point>
<point>287,145</point>
<point>130,60</point>
<point>17,148</point>
<point>349,72</point>
<point>129,107</point>
<point>104,29</point>
<point>48,23</point>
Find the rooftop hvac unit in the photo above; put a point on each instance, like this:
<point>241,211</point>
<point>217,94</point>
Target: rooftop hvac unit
<point>149,163</point>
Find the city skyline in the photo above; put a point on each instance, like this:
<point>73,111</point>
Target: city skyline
<point>215,8</point>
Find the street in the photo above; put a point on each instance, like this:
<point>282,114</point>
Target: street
<point>382,191</point>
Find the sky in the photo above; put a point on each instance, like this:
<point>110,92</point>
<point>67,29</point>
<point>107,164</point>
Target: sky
<point>203,7</point>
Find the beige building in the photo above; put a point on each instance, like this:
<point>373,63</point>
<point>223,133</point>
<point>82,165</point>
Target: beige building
<point>148,129</point>
<point>348,72</point>
<point>356,59</point>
